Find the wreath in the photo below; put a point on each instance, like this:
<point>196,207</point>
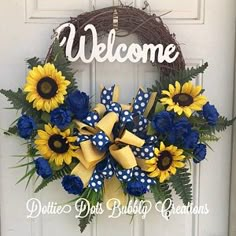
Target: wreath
<point>114,150</point>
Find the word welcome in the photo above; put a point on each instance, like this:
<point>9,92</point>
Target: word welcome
<point>102,52</point>
<point>83,208</point>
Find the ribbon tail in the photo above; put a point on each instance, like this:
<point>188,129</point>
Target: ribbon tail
<point>124,156</point>
<point>113,189</point>
<point>150,104</point>
<point>84,173</point>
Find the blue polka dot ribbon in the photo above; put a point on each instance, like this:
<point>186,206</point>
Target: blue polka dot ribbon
<point>103,170</point>
<point>107,96</point>
<point>99,138</point>
<point>114,107</point>
<point>140,125</point>
<point>145,152</point>
<point>124,175</point>
<point>101,141</point>
<point>92,119</point>
<point>140,102</point>
<point>142,177</point>
<point>81,138</point>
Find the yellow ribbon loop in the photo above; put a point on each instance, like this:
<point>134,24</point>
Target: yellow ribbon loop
<point>131,139</point>
<point>113,189</point>
<point>107,123</point>
<point>100,109</point>
<point>84,173</point>
<point>124,156</point>
<point>89,155</point>
<point>127,107</point>
<point>150,104</point>
<point>146,165</point>
<point>85,129</point>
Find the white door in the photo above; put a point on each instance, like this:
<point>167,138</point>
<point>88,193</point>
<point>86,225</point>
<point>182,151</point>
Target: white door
<point>205,31</point>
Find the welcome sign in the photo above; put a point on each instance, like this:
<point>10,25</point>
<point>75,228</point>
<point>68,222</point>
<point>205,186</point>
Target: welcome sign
<point>102,52</point>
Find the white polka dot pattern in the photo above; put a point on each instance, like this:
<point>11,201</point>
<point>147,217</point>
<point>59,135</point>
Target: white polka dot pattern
<point>92,119</point>
<point>141,102</point>
<point>145,152</point>
<point>101,141</point>
<point>107,95</point>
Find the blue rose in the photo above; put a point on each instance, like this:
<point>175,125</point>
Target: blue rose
<point>182,126</point>
<point>78,104</point>
<point>60,117</point>
<point>210,114</point>
<point>72,184</point>
<point>136,188</point>
<point>162,122</point>
<point>200,153</point>
<point>180,129</point>
<point>43,168</point>
<point>191,139</point>
<point>26,126</point>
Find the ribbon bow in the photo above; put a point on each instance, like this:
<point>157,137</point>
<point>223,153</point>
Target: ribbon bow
<point>111,137</point>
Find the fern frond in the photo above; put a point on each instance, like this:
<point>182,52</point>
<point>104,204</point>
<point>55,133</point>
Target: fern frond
<point>62,64</point>
<point>33,62</point>
<point>57,175</point>
<point>18,101</point>
<point>222,124</point>
<point>84,222</point>
<point>181,182</point>
<point>208,138</point>
<point>182,76</point>
<point>162,192</point>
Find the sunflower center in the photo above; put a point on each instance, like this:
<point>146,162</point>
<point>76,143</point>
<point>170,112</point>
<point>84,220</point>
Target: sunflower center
<point>58,144</point>
<point>47,88</point>
<point>183,99</point>
<point>165,160</point>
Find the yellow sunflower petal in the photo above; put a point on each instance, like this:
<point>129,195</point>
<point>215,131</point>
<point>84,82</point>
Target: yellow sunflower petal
<point>196,90</point>
<point>164,175</point>
<point>171,89</point>
<point>154,174</point>
<point>172,170</point>
<point>178,164</point>
<point>187,111</point>
<point>162,147</point>
<point>177,87</point>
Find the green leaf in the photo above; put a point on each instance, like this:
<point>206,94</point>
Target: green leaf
<point>18,101</point>
<point>181,76</point>
<point>159,107</point>
<point>31,172</point>
<point>181,182</point>
<point>222,124</point>
<point>150,130</point>
<point>208,138</point>
<point>33,62</point>
<point>161,192</point>
<point>57,175</point>
<point>84,222</point>
<point>94,198</point>
<point>22,165</point>
<point>62,64</point>
<point>11,131</point>
<point>45,117</point>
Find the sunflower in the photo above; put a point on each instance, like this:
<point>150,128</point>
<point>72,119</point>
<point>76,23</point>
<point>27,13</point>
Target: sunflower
<point>186,99</point>
<point>56,145</point>
<point>46,87</point>
<point>164,164</point>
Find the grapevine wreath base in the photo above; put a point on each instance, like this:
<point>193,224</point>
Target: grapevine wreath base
<point>111,149</point>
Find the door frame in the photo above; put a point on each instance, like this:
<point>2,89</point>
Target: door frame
<point>232,210</point>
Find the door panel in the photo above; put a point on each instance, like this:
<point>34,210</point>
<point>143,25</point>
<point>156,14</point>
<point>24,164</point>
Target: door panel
<point>205,32</point>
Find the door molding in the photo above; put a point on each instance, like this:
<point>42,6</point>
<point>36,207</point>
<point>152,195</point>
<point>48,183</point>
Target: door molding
<point>232,210</point>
